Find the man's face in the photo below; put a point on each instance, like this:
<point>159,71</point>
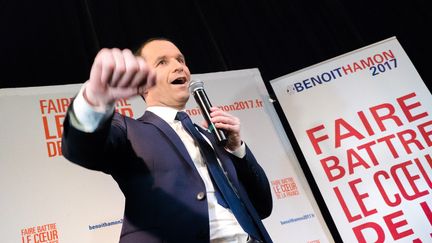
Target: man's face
<point>172,75</point>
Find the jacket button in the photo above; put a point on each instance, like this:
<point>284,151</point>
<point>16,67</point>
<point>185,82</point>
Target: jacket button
<point>200,196</point>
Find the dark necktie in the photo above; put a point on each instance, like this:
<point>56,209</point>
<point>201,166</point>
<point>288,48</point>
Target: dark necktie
<point>221,181</point>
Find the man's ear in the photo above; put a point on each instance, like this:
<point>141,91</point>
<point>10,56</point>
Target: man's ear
<point>145,93</point>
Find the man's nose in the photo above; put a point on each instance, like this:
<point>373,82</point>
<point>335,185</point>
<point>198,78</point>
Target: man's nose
<point>178,67</point>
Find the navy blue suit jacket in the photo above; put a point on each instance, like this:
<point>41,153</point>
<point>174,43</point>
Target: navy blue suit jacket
<point>163,191</point>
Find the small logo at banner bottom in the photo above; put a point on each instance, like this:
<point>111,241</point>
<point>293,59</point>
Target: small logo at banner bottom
<point>46,233</point>
<point>105,224</point>
<point>284,187</point>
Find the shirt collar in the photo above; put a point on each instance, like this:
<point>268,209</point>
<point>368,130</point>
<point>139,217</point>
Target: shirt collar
<point>167,114</point>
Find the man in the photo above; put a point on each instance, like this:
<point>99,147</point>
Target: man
<point>170,196</point>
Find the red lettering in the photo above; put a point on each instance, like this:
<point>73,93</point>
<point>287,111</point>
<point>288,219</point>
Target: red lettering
<point>59,124</point>
<point>366,123</point>
<point>411,139</point>
<point>126,111</point>
<point>356,67</point>
<point>277,189</point>
<point>64,104</point>
<point>54,148</point>
<point>373,226</point>
<point>360,197</point>
<point>122,102</point>
<point>387,140</point>
<point>427,211</point>
<point>329,169</point>
<point>423,171</point>
<point>426,134</point>
<point>381,118</point>
<point>347,69</point>
<point>393,226</point>
<point>411,179</point>
<point>388,55</point>
<point>46,128</point>
<point>42,105</point>
<point>54,106</point>
<point>315,140</point>
<point>371,154</point>
<point>351,132</point>
<point>360,161</point>
<point>406,108</point>
<point>342,202</point>
<point>381,189</point>
<point>51,107</point>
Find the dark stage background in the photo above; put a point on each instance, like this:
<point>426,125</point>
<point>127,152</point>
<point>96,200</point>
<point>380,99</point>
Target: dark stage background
<point>52,42</point>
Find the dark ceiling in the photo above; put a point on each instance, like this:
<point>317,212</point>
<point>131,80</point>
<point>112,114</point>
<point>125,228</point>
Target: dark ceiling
<point>53,42</point>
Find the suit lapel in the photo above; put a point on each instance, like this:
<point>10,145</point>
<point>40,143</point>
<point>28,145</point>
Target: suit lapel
<point>225,160</point>
<point>150,118</point>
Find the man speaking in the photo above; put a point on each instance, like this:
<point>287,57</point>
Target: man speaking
<point>179,184</point>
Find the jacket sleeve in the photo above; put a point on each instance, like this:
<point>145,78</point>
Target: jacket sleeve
<point>255,182</point>
<point>96,150</point>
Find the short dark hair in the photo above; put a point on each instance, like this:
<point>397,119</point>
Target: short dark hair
<point>138,51</point>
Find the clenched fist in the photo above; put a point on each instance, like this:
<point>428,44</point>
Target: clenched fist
<point>117,74</point>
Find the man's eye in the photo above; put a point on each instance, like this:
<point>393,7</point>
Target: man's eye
<point>161,62</point>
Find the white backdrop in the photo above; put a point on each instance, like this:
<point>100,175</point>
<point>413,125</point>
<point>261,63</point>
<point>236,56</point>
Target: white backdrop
<point>363,122</point>
<point>44,197</point>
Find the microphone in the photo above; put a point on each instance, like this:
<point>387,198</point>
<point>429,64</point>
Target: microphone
<point>196,88</point>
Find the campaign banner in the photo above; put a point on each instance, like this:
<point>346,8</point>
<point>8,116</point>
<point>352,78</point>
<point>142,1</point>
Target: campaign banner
<point>45,198</point>
<point>363,122</point>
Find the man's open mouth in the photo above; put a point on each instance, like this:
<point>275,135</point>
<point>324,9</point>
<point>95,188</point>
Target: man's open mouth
<point>181,80</point>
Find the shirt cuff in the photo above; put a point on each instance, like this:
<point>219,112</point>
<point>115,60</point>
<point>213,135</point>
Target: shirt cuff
<point>85,117</point>
<point>240,152</point>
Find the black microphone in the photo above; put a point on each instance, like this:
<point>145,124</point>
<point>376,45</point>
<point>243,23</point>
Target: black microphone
<point>196,87</point>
